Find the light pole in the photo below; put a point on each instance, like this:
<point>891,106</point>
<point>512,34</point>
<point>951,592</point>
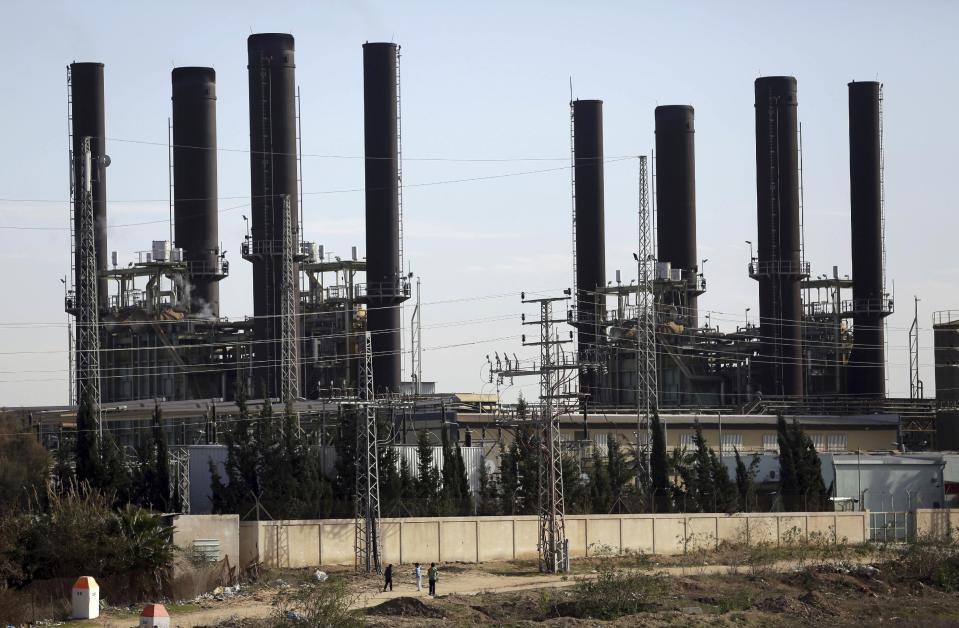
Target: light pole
<point>747,316</point>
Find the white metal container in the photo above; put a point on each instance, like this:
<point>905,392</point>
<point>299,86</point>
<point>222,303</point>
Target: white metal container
<point>161,250</point>
<point>662,270</point>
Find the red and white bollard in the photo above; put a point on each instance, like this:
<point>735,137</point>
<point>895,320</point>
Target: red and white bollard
<point>154,616</point>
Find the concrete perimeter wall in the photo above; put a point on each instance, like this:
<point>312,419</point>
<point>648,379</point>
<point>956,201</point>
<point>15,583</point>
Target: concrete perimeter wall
<point>222,528</point>
<point>307,543</point>
<point>939,524</point>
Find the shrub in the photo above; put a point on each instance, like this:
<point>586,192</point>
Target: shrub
<point>316,604</point>
<point>931,561</point>
<point>615,593</point>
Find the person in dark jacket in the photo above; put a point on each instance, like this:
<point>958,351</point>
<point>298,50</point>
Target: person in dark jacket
<point>432,575</point>
<point>388,578</point>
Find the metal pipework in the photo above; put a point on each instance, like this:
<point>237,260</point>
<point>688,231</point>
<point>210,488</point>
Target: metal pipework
<point>88,112</point>
<point>778,267</point>
<point>381,142</point>
<point>194,183</point>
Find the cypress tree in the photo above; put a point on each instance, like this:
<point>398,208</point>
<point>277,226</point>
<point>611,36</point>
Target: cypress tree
<point>427,481</point>
<point>619,475</point>
<point>659,466</point>
<point>489,492</point>
<point>746,481</point>
<point>789,483</point>
<point>160,484</point>
<point>706,483</point>
<point>600,490</point>
<point>87,450</point>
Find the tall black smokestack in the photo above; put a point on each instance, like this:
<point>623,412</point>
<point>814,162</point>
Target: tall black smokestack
<point>676,197</point>
<point>867,364</point>
<point>273,178</point>
<point>88,111</point>
<point>778,266</point>
<point>590,235</point>
<point>194,183</point>
<point>382,211</point>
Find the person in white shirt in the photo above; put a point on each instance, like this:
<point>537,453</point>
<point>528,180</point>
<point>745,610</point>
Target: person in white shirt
<point>418,572</point>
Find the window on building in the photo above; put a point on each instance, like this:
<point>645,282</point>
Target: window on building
<point>686,441</point>
<point>770,442</point>
<point>838,442</point>
<point>819,441</point>
<point>732,441</point>
<point>601,442</point>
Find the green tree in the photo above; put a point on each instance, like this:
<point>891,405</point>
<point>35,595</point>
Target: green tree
<point>24,465</point>
<point>746,481</point>
<point>519,472</point>
<point>488,499</point>
<point>706,482</point>
<point>659,467</point>
<point>800,484</point>
<point>428,479</point>
<point>86,455</point>
<point>575,493</point>
<point>620,476</point>
<point>235,493</point>
<point>600,489</point>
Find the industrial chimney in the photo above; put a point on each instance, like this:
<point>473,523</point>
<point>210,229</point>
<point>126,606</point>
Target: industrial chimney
<point>867,363</point>
<point>384,283</point>
<point>590,237</point>
<point>676,199</point>
<point>87,111</point>
<point>194,184</point>
<point>273,178</point>
<point>778,267</point>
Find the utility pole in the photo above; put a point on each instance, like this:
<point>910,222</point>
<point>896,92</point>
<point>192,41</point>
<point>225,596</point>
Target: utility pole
<point>87,301</point>
<point>558,374</point>
<point>647,381</point>
<point>416,347</point>
<point>367,517</point>
<point>915,384</point>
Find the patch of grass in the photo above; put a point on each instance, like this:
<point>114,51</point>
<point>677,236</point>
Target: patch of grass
<point>740,599</point>
<point>616,593</point>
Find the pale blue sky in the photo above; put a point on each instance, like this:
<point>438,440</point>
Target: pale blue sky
<point>485,80</point>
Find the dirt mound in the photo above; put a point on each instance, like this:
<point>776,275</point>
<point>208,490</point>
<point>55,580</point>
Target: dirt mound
<point>406,607</point>
<point>783,604</point>
<point>819,602</point>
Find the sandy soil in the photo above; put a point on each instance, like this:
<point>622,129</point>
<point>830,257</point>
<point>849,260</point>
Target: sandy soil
<point>455,580</point>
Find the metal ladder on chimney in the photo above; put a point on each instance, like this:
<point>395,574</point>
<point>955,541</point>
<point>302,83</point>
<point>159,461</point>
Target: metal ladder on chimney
<point>775,263</point>
<point>73,183</point>
<point>572,187</point>
<point>71,279</point>
<point>882,223</point>
<point>399,161</point>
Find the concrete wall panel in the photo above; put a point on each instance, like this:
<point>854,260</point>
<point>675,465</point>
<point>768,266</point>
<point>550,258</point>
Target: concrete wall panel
<point>495,538</point>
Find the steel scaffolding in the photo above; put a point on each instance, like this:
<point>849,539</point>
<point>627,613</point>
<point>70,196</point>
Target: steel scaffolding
<point>289,369</point>
<point>647,381</point>
<point>367,517</point>
<point>88,316</point>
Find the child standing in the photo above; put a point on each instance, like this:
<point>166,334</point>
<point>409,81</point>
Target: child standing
<point>433,575</point>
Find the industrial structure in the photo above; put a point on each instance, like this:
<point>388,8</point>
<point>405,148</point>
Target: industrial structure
<point>325,335</point>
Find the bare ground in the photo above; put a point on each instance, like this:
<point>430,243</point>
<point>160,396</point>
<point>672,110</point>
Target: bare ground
<point>791,592</point>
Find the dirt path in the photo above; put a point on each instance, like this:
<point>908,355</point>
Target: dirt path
<point>459,583</point>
